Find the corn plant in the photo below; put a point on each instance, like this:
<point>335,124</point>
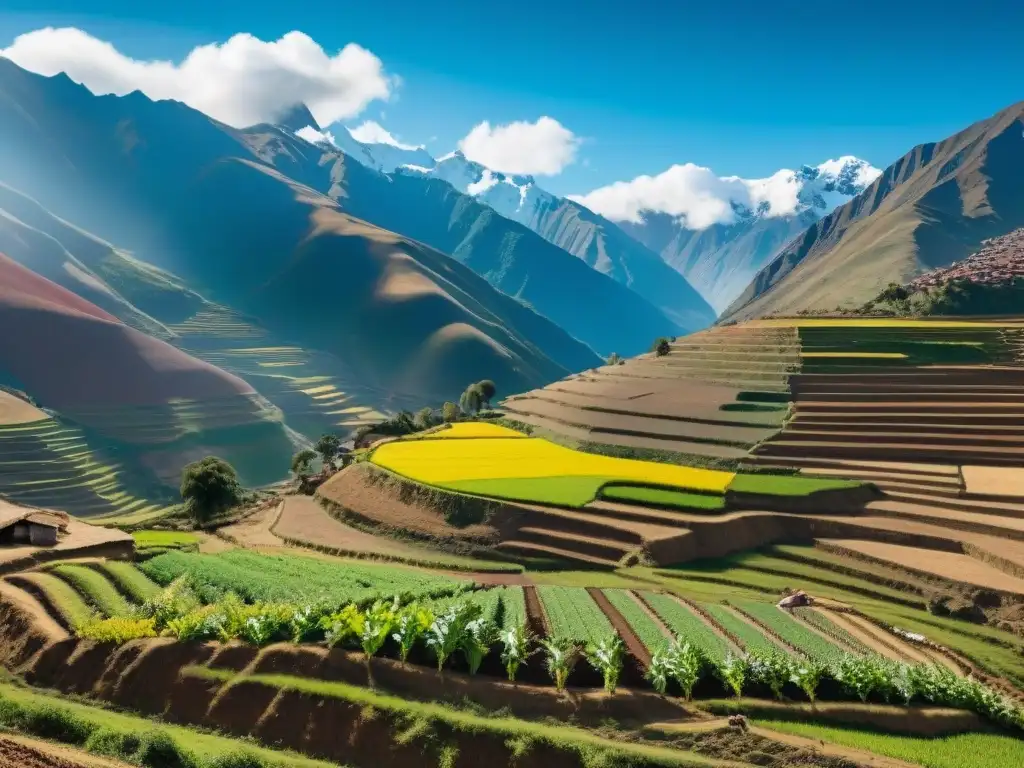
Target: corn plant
<point>606,657</point>
<point>561,657</point>
<point>378,622</point>
<point>661,669</point>
<point>477,640</point>
<point>807,674</point>
<point>732,671</point>
<point>339,627</point>
<point>412,623</point>
<point>771,669</point>
<point>860,677</point>
<point>689,663</point>
<point>515,649</point>
<point>445,634</point>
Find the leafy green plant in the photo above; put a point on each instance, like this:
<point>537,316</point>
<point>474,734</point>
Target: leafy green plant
<point>689,662</point>
<point>378,622</point>
<point>339,627</point>
<point>117,630</point>
<point>807,675</point>
<point>661,669</point>
<point>515,649</point>
<point>477,640</point>
<point>445,634</point>
<point>561,655</point>
<point>732,671</point>
<point>412,623</point>
<point>606,657</point>
<point>771,669</point>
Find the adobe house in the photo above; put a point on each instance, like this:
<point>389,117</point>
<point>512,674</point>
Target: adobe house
<point>35,527</point>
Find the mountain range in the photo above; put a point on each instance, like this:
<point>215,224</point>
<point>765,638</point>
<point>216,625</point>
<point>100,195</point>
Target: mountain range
<point>932,207</point>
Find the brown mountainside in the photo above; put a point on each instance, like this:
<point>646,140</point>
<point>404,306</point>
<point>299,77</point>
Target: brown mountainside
<point>930,208</point>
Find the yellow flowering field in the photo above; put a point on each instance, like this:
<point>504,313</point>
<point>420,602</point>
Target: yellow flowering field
<point>530,468</point>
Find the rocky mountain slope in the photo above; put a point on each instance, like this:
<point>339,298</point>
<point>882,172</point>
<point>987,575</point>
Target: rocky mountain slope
<point>509,255</point>
<point>578,230</point>
<point>722,259</point>
<point>190,197</point>
<point>930,208</point>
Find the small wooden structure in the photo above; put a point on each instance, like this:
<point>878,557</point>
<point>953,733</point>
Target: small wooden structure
<point>26,525</point>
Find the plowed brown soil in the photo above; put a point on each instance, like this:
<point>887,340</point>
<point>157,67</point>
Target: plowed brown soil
<point>946,565</point>
<point>304,520</point>
<point>633,643</point>
<point>994,481</point>
<point>382,501</point>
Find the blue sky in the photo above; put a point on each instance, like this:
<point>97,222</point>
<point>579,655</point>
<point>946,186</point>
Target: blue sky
<point>742,87</point>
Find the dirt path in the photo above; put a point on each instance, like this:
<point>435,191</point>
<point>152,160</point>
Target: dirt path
<point>535,617</point>
<point>255,531</point>
<point>842,621</point>
<point>22,752</point>
<point>622,627</point>
<point>880,639</point>
<point>303,520</point>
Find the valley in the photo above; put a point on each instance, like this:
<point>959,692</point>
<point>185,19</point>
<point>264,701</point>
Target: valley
<point>323,449</point>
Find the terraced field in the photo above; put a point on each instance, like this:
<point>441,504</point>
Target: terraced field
<point>48,463</point>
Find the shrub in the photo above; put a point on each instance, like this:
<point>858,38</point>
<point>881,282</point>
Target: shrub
<point>117,630</point>
<point>239,759</point>
<point>661,347</point>
<point>111,743</point>
<point>209,487</point>
<point>158,750</point>
<point>52,722</point>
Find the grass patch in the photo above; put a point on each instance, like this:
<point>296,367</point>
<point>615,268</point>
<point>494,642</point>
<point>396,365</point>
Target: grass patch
<point>130,580</point>
<point>95,587</point>
<point>130,738</point>
<point>165,540</point>
<point>584,743</point>
<point>965,750</point>
<point>62,596</point>
<point>662,497</point>
<point>786,485</point>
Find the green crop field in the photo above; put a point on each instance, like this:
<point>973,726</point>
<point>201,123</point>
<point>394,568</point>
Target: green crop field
<point>573,614</point>
<point>94,587</point>
<point>792,631</point>
<point>165,540</point>
<point>295,578</point>
<point>830,628</point>
<point>787,485</point>
<point>662,497</point>
<point>684,623</point>
<point>967,750</point>
<point>505,606</point>
<point>130,580</point>
<point>62,596</point>
<point>646,628</point>
<point>752,638</point>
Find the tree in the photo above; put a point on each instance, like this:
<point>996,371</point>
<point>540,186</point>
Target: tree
<point>328,446</point>
<point>488,389</point>
<point>450,413</point>
<point>613,359</point>
<point>208,487</point>
<point>302,462</point>
<point>662,347</point>
<point>894,292</point>
<point>424,418</point>
<point>472,399</point>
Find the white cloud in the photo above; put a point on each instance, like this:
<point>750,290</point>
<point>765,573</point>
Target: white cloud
<point>240,82</point>
<point>375,133</point>
<point>542,148</point>
<point>313,136</point>
<point>698,197</point>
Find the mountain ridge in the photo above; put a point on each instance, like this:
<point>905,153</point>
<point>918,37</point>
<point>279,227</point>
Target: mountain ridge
<point>930,208</point>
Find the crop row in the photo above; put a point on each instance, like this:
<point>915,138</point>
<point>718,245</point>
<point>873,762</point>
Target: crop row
<point>791,631</point>
<point>749,636</point>
<point>824,624</point>
<point>684,623</point>
<point>295,578</point>
<point>504,606</point>
<point>646,628</point>
<point>573,615</point>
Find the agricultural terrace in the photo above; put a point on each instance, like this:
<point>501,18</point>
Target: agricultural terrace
<point>504,464</point>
